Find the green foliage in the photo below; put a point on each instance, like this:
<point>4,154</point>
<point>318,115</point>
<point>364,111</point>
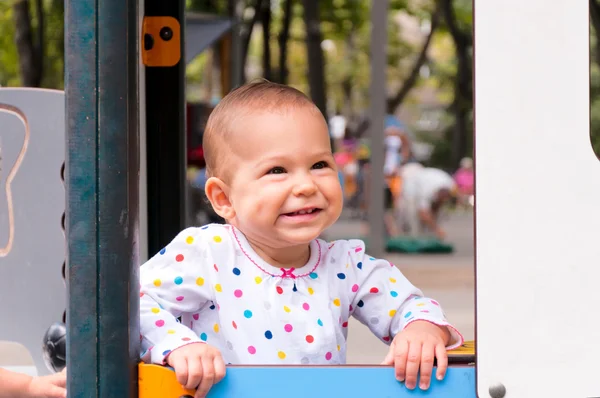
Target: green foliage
<point>53,42</point>
<point>9,61</point>
<point>207,6</point>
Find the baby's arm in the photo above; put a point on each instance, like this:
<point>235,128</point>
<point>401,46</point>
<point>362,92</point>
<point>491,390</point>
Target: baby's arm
<point>17,385</point>
<point>397,312</point>
<point>387,302</point>
<point>175,281</point>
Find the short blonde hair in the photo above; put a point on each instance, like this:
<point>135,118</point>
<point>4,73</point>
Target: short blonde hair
<point>261,95</point>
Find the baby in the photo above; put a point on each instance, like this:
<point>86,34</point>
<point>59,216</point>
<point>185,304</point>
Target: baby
<point>263,289</point>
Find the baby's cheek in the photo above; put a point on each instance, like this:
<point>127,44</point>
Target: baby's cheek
<point>332,188</point>
<point>272,200</point>
<point>335,198</point>
<point>253,213</point>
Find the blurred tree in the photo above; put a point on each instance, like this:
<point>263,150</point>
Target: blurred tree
<point>265,21</point>
<point>395,101</point>
<point>314,52</point>
<point>30,49</point>
<point>32,53</point>
<point>55,45</point>
<point>9,59</point>
<point>207,6</point>
<point>459,21</point>
<point>248,29</point>
<point>284,36</point>
<point>457,139</point>
<point>346,26</point>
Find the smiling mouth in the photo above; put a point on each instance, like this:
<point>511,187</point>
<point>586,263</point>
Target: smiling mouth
<point>303,212</point>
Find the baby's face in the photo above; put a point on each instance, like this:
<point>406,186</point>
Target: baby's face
<point>284,187</point>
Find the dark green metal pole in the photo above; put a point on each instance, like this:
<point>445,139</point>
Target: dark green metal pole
<point>101,43</point>
<point>166,138</point>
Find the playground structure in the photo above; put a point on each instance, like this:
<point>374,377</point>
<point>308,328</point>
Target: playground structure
<point>535,284</point>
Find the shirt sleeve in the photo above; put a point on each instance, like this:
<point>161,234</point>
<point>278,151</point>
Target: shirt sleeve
<point>386,302</point>
<point>174,282</point>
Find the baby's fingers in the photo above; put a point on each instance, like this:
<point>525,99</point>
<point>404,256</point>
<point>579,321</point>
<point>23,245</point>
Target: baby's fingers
<point>442,361</point>
<point>208,377</point>
<point>195,373</point>
<point>400,354</point>
<point>427,356</point>
<point>219,368</point>
<point>412,364</point>
<point>180,366</point>
<point>389,358</point>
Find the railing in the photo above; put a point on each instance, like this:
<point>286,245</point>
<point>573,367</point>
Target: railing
<point>317,381</point>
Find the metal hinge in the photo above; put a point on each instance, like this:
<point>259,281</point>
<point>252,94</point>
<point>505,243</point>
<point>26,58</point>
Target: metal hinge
<point>161,41</point>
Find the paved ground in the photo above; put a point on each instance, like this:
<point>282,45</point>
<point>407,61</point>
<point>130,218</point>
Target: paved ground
<point>447,278</point>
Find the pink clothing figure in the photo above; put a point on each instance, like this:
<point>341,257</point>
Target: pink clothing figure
<point>465,177</point>
<point>342,158</point>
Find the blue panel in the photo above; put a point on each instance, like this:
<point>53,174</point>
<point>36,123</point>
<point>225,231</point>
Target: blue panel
<point>336,382</point>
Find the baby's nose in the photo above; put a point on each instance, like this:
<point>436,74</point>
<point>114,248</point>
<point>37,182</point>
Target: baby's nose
<point>305,185</point>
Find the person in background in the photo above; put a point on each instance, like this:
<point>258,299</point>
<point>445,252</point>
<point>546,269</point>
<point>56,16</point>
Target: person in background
<point>401,209</point>
<point>395,142</point>
<point>18,385</point>
<point>465,181</point>
<point>425,191</point>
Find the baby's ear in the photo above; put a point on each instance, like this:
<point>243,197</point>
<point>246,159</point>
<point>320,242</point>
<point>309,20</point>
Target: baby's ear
<point>217,193</point>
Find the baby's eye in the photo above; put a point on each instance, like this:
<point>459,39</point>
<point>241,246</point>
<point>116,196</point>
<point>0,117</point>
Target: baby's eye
<point>320,165</point>
<point>276,170</point>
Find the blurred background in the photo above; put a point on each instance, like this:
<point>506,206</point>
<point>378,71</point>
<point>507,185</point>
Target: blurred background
<point>323,48</point>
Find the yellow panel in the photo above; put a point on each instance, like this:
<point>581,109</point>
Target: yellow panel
<point>468,348</point>
<point>161,41</point>
<point>159,382</point>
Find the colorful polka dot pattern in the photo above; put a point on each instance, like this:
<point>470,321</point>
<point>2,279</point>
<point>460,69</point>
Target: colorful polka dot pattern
<point>270,319</point>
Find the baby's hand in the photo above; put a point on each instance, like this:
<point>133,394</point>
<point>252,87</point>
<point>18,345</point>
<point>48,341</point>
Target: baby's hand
<point>53,386</point>
<point>417,346</point>
<point>197,365</point>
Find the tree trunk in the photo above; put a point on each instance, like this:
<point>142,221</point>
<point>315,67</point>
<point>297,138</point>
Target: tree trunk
<point>266,28</point>
<point>233,62</point>
<point>247,32</point>
<point>29,62</point>
<point>39,47</point>
<point>595,18</point>
<point>284,36</point>
<point>408,84</point>
<point>58,6</point>
<point>316,64</point>
<point>463,93</point>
